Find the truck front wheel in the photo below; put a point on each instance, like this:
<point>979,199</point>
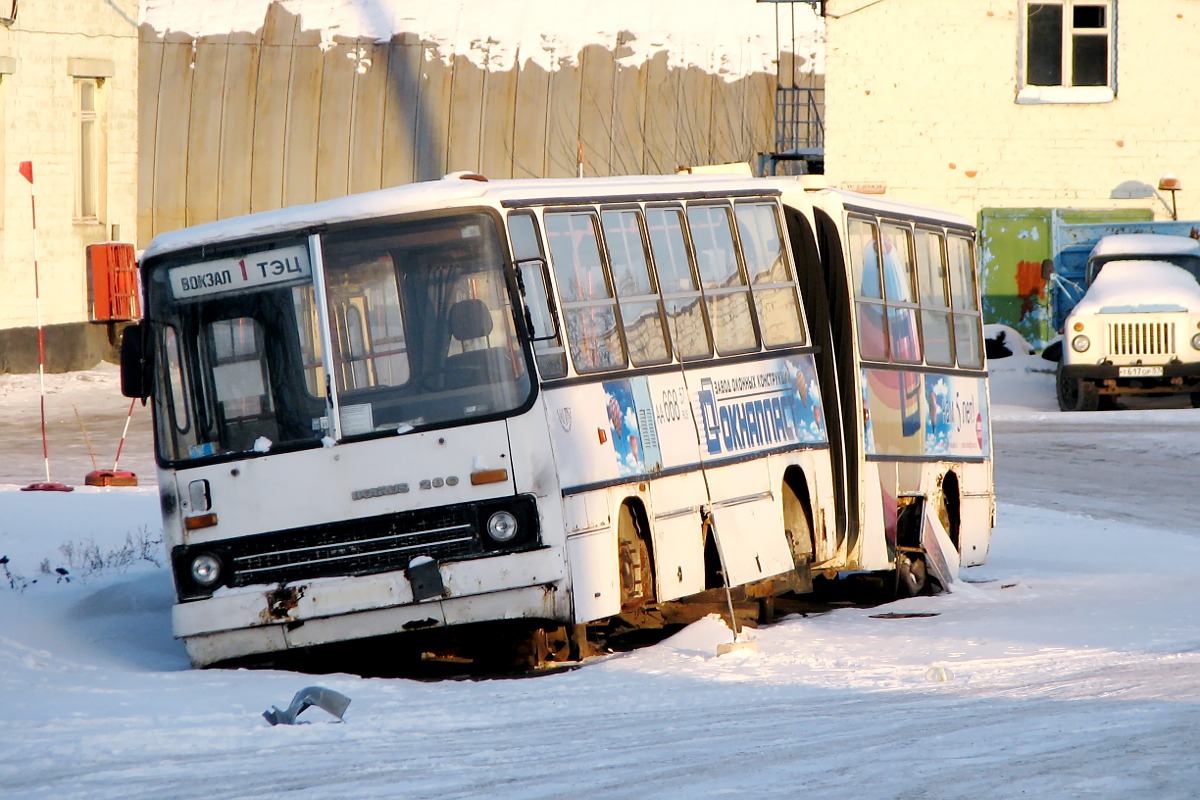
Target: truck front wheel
<point>1074,394</point>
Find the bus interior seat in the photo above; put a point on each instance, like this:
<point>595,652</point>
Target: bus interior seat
<point>471,320</point>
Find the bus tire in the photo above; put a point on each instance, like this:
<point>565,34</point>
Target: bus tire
<point>912,579</point>
<point>797,521</point>
<point>1195,398</point>
<point>633,561</point>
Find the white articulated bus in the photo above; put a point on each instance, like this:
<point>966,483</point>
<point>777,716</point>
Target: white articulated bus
<point>432,412</point>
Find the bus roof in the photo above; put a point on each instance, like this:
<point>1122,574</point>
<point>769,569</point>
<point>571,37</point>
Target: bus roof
<point>1144,244</point>
<point>813,185</point>
<point>454,190</point>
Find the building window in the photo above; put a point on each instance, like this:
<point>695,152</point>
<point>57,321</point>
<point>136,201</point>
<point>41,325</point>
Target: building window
<point>89,161</point>
<point>1068,52</point>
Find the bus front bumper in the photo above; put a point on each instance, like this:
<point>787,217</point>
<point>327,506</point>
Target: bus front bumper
<point>261,620</point>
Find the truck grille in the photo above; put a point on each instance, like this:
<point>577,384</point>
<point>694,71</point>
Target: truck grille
<point>1141,338</point>
<point>361,546</point>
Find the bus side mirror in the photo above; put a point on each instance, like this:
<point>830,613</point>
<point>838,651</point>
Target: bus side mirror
<point>540,315</point>
<point>135,362</point>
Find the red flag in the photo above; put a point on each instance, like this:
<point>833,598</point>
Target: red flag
<point>26,170</point>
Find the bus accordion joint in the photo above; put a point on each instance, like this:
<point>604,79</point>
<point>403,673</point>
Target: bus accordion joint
<point>480,477</point>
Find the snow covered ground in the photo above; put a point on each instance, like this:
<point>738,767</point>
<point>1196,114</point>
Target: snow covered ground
<point>1069,666</point>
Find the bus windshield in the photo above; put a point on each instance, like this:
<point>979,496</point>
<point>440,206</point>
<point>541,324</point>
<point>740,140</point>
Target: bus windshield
<point>419,322</point>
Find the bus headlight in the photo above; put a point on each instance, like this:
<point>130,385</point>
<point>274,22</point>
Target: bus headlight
<point>1080,343</point>
<point>206,570</point>
<point>1196,342</point>
<point>502,527</point>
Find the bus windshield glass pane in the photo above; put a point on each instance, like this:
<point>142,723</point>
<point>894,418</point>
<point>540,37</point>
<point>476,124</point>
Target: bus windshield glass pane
<point>424,332</point>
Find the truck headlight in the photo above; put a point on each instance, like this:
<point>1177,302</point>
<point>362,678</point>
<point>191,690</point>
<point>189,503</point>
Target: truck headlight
<point>502,527</point>
<point>1080,343</point>
<point>1196,342</point>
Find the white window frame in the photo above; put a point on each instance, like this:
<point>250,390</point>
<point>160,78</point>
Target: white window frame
<point>91,152</point>
<point>1028,93</point>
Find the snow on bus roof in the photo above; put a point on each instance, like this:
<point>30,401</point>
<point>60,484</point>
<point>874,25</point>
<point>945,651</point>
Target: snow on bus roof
<point>1144,244</point>
<point>449,192</point>
<point>884,206</point>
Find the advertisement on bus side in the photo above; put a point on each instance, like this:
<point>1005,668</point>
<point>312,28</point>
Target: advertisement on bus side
<point>910,413</point>
<point>641,425</point>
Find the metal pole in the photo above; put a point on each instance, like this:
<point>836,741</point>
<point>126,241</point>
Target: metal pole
<point>26,170</point>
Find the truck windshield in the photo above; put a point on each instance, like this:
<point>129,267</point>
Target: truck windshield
<point>420,326</point>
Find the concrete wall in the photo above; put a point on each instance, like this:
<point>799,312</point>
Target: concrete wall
<point>240,123</point>
<point>50,42</point>
<point>921,96</point>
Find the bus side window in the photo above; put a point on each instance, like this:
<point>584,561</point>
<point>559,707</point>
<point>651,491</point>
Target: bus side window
<point>864,266</point>
<point>771,280</point>
<point>527,252</point>
<point>641,309</point>
<point>935,300</point>
<point>589,308</point>
<point>677,282</point>
<point>903,339</point>
<point>721,279</point>
<point>965,299</point>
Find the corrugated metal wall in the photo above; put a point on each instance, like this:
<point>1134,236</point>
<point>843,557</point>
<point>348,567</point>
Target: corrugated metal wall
<point>252,122</point>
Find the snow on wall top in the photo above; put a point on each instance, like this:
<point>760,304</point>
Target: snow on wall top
<point>731,38</point>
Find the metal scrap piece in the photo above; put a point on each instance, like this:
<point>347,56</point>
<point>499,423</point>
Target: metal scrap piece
<point>327,699</point>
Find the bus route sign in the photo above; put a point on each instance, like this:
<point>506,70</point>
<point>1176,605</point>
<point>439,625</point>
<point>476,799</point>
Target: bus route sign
<point>235,274</point>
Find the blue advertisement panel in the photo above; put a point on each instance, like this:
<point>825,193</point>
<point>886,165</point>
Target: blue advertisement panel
<point>633,426</point>
<point>778,403</point>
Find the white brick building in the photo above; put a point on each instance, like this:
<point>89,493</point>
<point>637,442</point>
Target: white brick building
<point>68,105</point>
<point>940,101</point>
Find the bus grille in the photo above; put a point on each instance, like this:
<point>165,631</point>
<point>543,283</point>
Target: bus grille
<point>367,546</point>
<point>1141,338</point>
<point>360,547</point>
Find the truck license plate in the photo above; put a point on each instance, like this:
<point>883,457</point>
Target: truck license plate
<point>1139,372</point>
